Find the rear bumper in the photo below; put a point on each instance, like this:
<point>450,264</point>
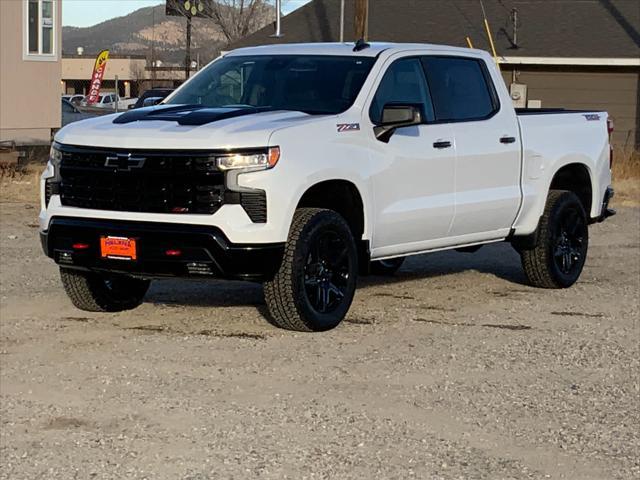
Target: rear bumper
<point>606,211</point>
<point>204,251</point>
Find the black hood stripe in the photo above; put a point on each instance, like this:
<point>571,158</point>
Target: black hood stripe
<point>187,114</point>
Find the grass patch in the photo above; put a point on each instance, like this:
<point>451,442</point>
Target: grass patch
<point>626,175</point>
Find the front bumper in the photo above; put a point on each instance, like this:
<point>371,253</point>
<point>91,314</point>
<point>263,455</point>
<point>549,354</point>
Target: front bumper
<point>204,251</point>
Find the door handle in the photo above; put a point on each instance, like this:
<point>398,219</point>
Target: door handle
<point>507,139</point>
<point>442,144</point>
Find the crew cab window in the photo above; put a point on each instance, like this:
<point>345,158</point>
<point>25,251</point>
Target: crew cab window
<point>403,83</point>
<point>460,88</point>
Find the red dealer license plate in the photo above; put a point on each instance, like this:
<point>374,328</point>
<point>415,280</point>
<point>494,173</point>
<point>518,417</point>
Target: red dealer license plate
<point>119,248</point>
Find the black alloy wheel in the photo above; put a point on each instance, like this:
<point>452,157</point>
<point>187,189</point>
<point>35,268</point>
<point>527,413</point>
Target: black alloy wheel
<point>327,271</point>
<point>569,246</point>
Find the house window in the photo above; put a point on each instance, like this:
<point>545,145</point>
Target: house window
<point>40,30</point>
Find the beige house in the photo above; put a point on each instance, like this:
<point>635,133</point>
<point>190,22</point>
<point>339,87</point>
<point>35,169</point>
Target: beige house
<point>30,68</point>
<point>133,73</point>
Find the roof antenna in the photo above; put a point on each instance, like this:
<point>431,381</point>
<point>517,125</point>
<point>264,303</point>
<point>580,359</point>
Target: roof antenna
<point>360,45</point>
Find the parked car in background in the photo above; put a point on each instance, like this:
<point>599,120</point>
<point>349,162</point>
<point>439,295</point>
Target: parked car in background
<point>71,113</point>
<point>74,99</point>
<point>104,101</point>
<point>153,93</point>
<point>108,101</point>
<point>127,103</point>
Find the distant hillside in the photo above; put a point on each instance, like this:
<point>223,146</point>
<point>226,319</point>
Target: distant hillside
<point>134,34</point>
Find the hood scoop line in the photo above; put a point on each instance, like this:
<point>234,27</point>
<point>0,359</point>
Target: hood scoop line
<point>192,115</point>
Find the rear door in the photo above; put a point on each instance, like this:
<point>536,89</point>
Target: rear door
<point>487,144</point>
<point>414,189</point>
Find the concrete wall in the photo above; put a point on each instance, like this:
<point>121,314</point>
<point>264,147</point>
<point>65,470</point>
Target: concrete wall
<point>614,89</point>
<point>29,89</point>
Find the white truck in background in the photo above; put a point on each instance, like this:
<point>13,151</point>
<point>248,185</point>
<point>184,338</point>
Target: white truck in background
<point>301,166</point>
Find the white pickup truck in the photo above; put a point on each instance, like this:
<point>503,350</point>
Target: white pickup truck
<point>302,166</point>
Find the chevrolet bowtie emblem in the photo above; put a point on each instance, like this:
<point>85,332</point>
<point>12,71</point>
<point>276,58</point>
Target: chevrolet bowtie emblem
<point>124,162</point>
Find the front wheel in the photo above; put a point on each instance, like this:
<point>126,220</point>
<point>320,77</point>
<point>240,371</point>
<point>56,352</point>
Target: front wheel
<point>316,282</point>
<point>96,292</point>
<point>560,252</point>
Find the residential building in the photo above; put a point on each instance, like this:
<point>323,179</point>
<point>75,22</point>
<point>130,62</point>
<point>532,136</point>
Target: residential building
<point>30,69</point>
<point>576,54</point>
<point>133,73</point>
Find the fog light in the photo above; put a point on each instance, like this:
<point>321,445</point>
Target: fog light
<point>173,253</point>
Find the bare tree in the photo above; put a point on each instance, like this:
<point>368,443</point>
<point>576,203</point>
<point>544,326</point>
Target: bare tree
<point>138,76</point>
<point>239,18</point>
<point>234,18</point>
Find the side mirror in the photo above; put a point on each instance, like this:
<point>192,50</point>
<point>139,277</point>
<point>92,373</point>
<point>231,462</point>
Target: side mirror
<point>151,101</point>
<point>396,116</point>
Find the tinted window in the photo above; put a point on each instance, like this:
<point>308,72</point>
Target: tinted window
<point>315,84</point>
<point>459,88</point>
<point>403,82</point>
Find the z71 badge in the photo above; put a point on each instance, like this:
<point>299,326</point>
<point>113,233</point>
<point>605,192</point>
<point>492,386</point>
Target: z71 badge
<point>348,127</point>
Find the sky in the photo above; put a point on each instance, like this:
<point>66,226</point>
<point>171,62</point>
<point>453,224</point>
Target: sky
<point>84,13</point>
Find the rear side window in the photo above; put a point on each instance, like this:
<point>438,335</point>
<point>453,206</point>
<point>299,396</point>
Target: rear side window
<point>403,83</point>
<point>460,88</point>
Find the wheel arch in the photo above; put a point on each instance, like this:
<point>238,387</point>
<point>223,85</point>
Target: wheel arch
<point>342,196</point>
<point>576,177</point>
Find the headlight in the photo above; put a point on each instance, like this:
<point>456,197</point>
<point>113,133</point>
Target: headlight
<point>250,161</point>
<point>55,155</point>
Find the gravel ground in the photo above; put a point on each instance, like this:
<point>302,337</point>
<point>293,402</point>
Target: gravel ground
<point>453,369</point>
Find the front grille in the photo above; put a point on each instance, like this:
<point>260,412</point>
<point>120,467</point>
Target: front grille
<point>141,181</point>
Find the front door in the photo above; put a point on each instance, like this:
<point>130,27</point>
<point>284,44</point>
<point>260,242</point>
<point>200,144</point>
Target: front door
<point>414,191</point>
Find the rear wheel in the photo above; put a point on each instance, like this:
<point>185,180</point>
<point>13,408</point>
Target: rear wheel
<point>96,292</point>
<point>386,267</point>
<point>316,282</point>
<point>560,252</point>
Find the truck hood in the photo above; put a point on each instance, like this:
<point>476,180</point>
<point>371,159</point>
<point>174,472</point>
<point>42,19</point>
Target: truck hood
<point>166,128</point>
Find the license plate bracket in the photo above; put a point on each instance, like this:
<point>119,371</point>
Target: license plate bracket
<point>118,248</point>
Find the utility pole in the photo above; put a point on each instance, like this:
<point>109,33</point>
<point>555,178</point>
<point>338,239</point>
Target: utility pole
<point>341,21</point>
<point>153,49</point>
<point>361,19</point>
<point>187,60</point>
<point>117,95</point>
<point>278,32</point>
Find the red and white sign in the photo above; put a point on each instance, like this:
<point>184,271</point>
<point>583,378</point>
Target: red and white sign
<point>96,78</point>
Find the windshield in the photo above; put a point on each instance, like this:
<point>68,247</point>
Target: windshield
<point>312,84</point>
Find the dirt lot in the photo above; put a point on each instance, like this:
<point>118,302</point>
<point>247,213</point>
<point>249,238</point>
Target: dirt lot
<point>452,369</point>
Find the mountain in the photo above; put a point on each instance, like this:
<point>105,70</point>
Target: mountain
<point>137,32</point>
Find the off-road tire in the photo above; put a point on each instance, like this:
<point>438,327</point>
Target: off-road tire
<point>286,296</point>
<point>94,292</point>
<point>539,264</point>
<point>386,267</point>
